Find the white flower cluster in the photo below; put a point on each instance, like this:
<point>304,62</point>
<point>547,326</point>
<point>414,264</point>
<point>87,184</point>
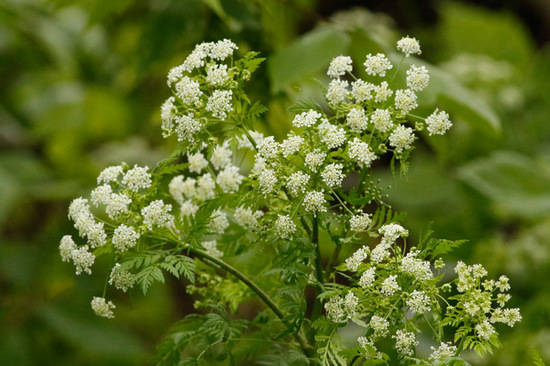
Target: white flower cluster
<point>357,258</point>
<point>405,342</point>
<point>285,227</point>
<point>340,309</point>
<point>121,279</point>
<point>444,351</point>
<point>339,66</point>
<point>103,308</point>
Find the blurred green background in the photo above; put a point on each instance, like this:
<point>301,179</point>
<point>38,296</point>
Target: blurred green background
<point>82,84</point>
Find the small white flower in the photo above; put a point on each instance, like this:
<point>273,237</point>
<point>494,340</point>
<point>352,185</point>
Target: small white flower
<point>405,100</point>
<point>246,217</point>
<point>357,120</point>
<point>367,278</point>
<point>66,247</point>
<point>285,227</point>
<point>297,182</point>
<point>361,153</point>
<point>357,258</point>
<point>206,187</point>
<point>230,179</point>
<point>417,78</point>
<point>188,208</point>
<point>334,310</point>
<point>168,114</point>
<point>393,231</point>
<point>292,145</point>
<point>218,222</point>
<point>306,119</point>
<point>83,260</point>
<point>315,159</point>
<point>197,162</point>
<point>124,238</point>
<point>101,194</point>
<point>390,286</point>
<point>383,92</point>
<point>268,181</point>
<point>418,302</point>
<point>188,91</point>
<point>339,66</point>
<point>103,308</point>
<point>221,156</point>
<point>137,178</point>
<point>211,248</point>
<point>121,279</point>
<point>377,65</point>
<point>174,75</point>
<point>444,351</point>
<point>337,91</point>
<point>485,330</point>
<point>217,75</point>
<point>361,90</point>
<point>409,46</point>
<point>405,342</point>
<point>418,269</point>
<point>381,119</point>
<point>157,213</point>
<point>187,127</point>
<point>360,222</point>
<point>117,205</point>
<point>380,326</point>
<point>220,103</point>
<point>332,175</point>
<point>350,304</point>
<point>196,58</point>
<point>314,201</point>
<point>268,148</point>
<point>331,135</point>
<point>401,138</point>
<point>109,174</point>
<point>438,123</point>
<point>222,49</point>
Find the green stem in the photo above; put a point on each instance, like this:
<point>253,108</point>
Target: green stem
<point>306,348</point>
<point>317,306</point>
<point>333,260</point>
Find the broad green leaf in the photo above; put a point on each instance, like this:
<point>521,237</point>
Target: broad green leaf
<point>515,182</point>
<point>306,57</point>
<point>465,28</point>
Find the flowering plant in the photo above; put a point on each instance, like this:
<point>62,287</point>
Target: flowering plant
<point>279,230</point>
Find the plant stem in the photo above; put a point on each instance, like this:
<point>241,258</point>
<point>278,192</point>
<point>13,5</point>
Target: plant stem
<point>316,312</point>
<point>333,259</point>
<point>306,348</point>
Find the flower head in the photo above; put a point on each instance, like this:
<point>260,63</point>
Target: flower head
<point>409,46</point>
<point>103,308</point>
<point>339,66</point>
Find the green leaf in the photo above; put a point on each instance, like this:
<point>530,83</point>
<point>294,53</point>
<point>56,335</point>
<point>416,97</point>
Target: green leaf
<point>516,183</point>
<point>306,57</point>
<point>149,275</point>
<point>537,360</point>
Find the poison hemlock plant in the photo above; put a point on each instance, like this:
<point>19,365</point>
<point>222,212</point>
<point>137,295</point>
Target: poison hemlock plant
<point>240,235</point>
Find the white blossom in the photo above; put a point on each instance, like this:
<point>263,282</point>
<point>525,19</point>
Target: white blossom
<point>206,187</point>
<point>382,92</point>
<point>357,258</point>
<point>381,119</point>
<point>339,66</point>
<point>137,178</point>
<point>188,208</point>
<point>390,286</point>
<point>124,238</point>
<point>417,78</point>
<point>109,174</point>
<point>230,179</point>
<point>246,217</point>
<point>331,135</point>
<point>296,182</point>
<point>405,100</point>
<point>314,201</point>
<point>350,304</point>
<point>485,330</point>
<point>285,227</point>
<point>409,46</point>
<point>357,120</point>
<point>367,278</point>
<point>221,156</point>
<point>361,153</point>
<point>315,159</point>
<point>157,213</point>
<point>405,342</point>
<point>377,64</point>
<point>292,145</point>
<point>82,260</point>
<point>360,222</point>
<point>211,248</point>
<point>361,90</point>
<point>187,127</point>
<point>121,279</point>
<point>197,162</point>
<point>337,91</point>
<point>418,302</point>
<point>103,308</point>
<point>268,148</point>
<point>117,205</point>
<point>268,181</point>
<point>168,114</point>
<point>306,119</point>
<point>438,123</point>
<point>401,138</point>
<point>415,267</point>
<point>444,351</point>
<point>220,103</point>
<point>218,222</point>
<point>66,247</point>
<point>217,75</point>
<point>188,91</point>
<point>380,326</point>
<point>332,175</point>
<point>222,49</point>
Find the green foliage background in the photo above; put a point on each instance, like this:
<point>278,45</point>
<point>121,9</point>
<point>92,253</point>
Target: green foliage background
<point>82,84</point>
